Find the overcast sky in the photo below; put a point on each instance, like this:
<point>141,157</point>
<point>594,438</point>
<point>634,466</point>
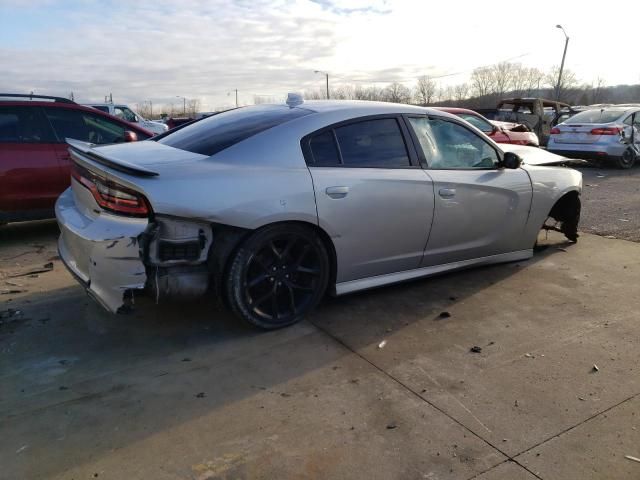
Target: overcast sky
<point>155,50</point>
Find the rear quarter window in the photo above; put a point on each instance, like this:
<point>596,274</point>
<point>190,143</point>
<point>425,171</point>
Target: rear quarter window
<point>214,134</point>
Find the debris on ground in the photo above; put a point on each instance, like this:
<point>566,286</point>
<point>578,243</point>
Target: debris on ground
<point>186,359</point>
<point>491,343</point>
<point>444,315</point>
<point>382,344</point>
<point>453,299</point>
<point>392,425</point>
<point>13,284</point>
<point>595,368</point>
<point>633,459</point>
<point>47,267</point>
<point>12,291</point>
<point>475,349</point>
<point>201,395</point>
<point>581,398</point>
<point>528,355</point>
<point>22,448</point>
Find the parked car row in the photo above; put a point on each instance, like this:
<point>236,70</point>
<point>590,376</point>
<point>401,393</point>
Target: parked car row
<point>127,114</point>
<point>35,165</point>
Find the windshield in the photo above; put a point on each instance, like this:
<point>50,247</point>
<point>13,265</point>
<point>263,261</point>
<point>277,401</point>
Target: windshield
<point>596,116</point>
<point>213,134</point>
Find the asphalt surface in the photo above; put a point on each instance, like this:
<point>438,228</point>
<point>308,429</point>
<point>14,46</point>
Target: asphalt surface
<point>611,202</point>
<point>532,373</point>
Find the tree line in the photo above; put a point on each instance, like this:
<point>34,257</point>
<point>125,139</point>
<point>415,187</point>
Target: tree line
<point>486,86</point>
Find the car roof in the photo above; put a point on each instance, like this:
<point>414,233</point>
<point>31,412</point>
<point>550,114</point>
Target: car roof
<point>362,106</point>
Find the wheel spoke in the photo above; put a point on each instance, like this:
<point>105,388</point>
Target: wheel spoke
<point>303,254</point>
<point>258,279</point>
<point>292,299</point>
<point>310,271</point>
<point>274,302</point>
<point>261,264</point>
<point>288,247</point>
<point>300,287</point>
<point>275,250</point>
<point>262,299</point>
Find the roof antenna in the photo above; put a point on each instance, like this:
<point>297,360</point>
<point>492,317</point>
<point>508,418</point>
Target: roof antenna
<point>294,99</point>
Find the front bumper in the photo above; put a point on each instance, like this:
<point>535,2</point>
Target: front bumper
<point>102,251</point>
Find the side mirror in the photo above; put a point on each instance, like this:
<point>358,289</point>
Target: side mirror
<point>511,160</point>
<point>130,136</point>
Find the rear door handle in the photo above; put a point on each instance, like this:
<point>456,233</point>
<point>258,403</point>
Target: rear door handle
<point>447,192</point>
<point>337,192</point>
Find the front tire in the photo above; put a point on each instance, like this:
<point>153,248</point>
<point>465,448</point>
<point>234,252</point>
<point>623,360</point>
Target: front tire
<point>277,276</point>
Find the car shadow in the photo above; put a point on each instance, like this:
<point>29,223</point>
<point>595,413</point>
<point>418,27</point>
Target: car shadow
<point>66,358</point>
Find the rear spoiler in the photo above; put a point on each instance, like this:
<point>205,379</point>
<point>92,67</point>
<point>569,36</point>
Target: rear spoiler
<point>81,149</point>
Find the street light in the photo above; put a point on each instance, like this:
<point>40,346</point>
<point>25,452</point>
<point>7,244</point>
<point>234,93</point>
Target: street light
<point>564,54</point>
<point>184,104</point>
<point>327,77</point>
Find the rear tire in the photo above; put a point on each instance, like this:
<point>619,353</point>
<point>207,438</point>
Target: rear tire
<point>277,276</point>
<point>627,159</point>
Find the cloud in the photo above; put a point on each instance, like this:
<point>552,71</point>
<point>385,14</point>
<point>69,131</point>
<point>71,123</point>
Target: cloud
<point>156,49</point>
<point>199,49</point>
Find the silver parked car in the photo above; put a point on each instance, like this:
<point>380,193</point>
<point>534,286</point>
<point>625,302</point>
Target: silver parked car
<point>600,133</point>
<point>272,206</point>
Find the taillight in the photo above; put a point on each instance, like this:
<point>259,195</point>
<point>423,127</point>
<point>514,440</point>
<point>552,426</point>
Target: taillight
<point>606,131</point>
<point>555,131</point>
<point>110,195</point>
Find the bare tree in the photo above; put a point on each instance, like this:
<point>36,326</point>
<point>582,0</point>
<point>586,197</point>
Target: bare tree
<point>568,81</point>
<point>597,91</point>
<point>461,92</point>
<point>426,90</point>
<point>192,107</point>
<point>483,81</point>
<point>397,93</point>
<point>502,77</point>
<point>534,80</point>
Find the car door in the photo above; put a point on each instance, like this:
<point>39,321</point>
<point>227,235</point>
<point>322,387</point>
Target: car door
<point>480,208</point>
<point>29,168</point>
<point>372,197</point>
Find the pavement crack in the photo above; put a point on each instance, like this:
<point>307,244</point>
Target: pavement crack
<point>420,397</point>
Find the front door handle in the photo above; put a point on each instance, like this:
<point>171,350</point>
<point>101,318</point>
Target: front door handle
<point>337,192</point>
<point>447,192</point>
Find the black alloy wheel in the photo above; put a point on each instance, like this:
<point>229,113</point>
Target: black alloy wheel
<point>278,276</point>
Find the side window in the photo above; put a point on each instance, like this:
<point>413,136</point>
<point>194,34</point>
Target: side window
<point>449,146</point>
<point>101,130</point>
<point>23,125</point>
<point>478,122</point>
<point>125,114</point>
<point>373,143</point>
<point>324,150</point>
<point>67,123</point>
<point>101,108</point>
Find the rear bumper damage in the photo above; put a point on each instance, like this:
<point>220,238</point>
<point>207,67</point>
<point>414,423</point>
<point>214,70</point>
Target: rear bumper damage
<point>116,257</point>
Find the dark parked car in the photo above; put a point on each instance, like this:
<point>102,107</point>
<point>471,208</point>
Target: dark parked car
<point>35,166</point>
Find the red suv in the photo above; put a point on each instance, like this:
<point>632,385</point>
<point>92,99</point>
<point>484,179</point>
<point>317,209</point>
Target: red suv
<point>34,162</point>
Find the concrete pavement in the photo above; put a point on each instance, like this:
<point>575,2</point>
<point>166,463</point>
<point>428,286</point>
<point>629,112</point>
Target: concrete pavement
<point>184,391</point>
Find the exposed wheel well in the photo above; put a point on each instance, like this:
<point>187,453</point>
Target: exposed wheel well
<point>227,240</point>
<point>567,211</point>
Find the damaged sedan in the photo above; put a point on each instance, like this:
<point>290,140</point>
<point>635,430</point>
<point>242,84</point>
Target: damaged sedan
<point>271,207</point>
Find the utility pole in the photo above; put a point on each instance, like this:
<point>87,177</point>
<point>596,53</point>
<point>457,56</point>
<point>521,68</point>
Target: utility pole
<point>236,98</point>
<point>327,79</point>
<point>564,54</point>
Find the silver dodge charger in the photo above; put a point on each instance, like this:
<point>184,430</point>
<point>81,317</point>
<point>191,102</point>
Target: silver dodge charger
<point>273,206</point>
